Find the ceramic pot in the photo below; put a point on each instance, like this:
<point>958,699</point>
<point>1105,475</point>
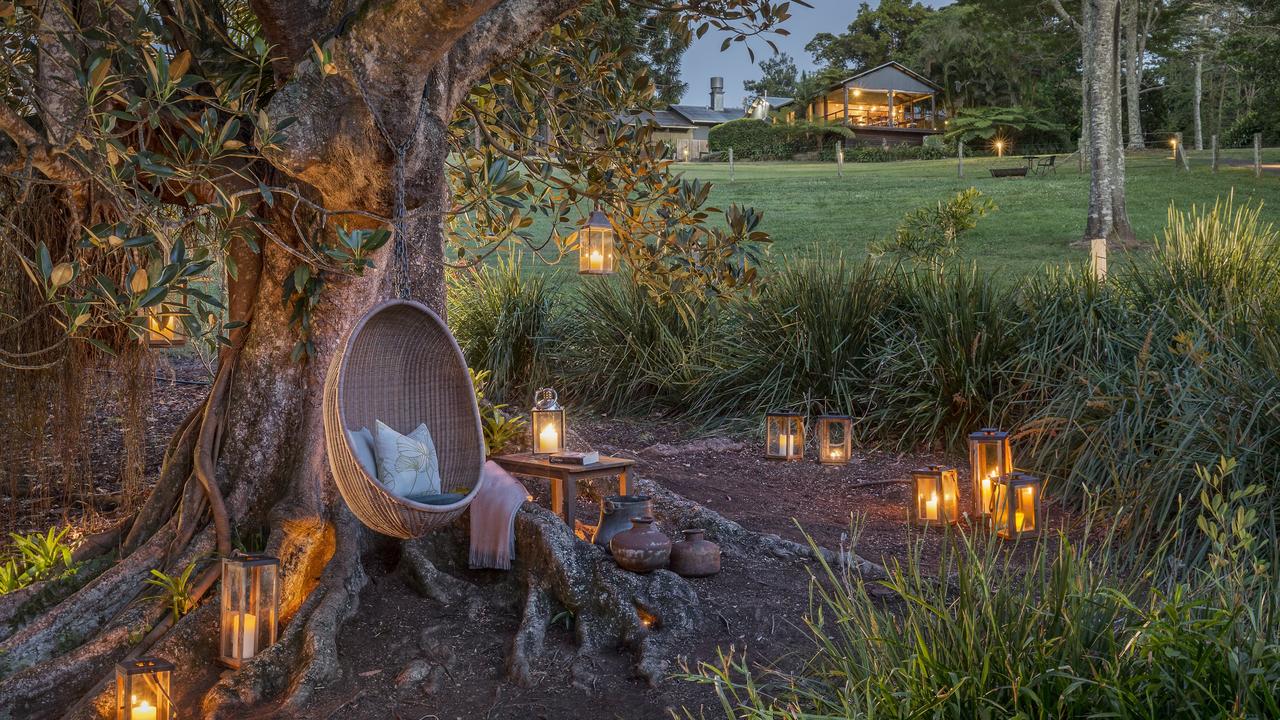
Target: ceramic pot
<point>641,549</point>
<point>695,556</point>
<point>616,514</point>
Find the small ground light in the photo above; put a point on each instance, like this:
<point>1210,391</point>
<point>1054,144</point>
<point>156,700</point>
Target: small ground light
<point>835,442</point>
<point>935,496</point>
<point>784,436</point>
<point>250,606</point>
<point>1016,509</point>
<point>142,689</point>
<point>989,460</point>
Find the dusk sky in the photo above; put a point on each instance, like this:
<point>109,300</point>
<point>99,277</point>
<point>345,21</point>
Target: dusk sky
<point>704,59</point>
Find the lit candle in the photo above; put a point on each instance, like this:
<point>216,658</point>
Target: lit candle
<point>931,507</point>
<point>548,439</point>
<point>142,711</point>
<point>247,635</point>
<point>986,492</point>
<point>785,443</point>
<point>836,454</point>
<point>1018,520</point>
<point>597,260</point>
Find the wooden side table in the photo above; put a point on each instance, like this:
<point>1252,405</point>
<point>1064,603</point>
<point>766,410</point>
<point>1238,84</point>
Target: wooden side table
<point>564,478</point>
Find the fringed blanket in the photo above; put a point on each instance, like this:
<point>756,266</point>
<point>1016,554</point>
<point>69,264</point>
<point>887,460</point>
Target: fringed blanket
<point>493,519</point>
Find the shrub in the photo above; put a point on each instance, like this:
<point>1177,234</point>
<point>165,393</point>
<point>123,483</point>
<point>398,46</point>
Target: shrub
<point>929,235</point>
<point>759,140</point>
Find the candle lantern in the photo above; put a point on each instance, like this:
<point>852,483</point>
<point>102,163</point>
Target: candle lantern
<point>835,441</point>
<point>935,496</point>
<point>250,606</point>
<point>163,328</point>
<point>1016,506</point>
<point>142,689</point>
<point>595,246</point>
<point>989,460</point>
<point>548,423</point>
<point>784,436</point>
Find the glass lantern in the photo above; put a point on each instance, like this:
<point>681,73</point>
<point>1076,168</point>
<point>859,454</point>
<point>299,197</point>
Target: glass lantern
<point>164,328</point>
<point>595,246</point>
<point>142,689</point>
<point>784,436</point>
<point>835,439</point>
<point>989,460</point>
<point>935,496</point>
<point>1016,508</point>
<point>548,423</point>
<point>250,606</point>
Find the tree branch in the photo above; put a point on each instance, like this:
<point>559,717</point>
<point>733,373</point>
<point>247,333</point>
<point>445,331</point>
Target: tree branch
<point>37,151</point>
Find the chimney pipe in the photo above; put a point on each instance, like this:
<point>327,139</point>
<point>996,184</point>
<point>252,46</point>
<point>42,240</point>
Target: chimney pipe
<point>717,94</point>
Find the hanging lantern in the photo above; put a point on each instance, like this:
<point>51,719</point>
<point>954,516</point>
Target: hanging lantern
<point>250,606</point>
<point>784,436</point>
<point>835,439</point>
<point>935,496</point>
<point>142,689</point>
<point>548,423</point>
<point>164,328</point>
<point>989,460</point>
<point>595,246</point>
<point>1016,509</point>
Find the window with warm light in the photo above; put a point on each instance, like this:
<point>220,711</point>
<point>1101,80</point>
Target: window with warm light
<point>835,442</point>
<point>1016,507</point>
<point>784,436</point>
<point>989,460</point>
<point>250,606</point>
<point>142,689</point>
<point>935,496</point>
<point>547,422</point>
<point>164,328</point>
<point>596,254</point>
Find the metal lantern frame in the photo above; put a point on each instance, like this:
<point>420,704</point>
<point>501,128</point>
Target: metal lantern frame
<point>784,436</point>
<point>834,451</point>
<point>1009,519</point>
<point>163,327</point>
<point>597,241</point>
<point>935,486</point>
<point>547,423</point>
<point>990,458</point>
<point>143,689</point>
<point>250,609</point>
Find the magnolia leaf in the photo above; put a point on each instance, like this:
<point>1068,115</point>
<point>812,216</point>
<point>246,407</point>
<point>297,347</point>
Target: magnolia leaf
<point>178,66</point>
<point>139,282</point>
<point>62,274</point>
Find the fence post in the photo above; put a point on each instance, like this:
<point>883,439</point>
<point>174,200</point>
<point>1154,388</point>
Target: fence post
<point>1257,154</point>
<point>839,158</point>
<point>1098,258</point>
<point>1214,144</point>
<point>730,164</point>
<point>959,158</point>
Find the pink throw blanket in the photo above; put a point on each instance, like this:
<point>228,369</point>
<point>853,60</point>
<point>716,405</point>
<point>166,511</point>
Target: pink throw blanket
<point>493,519</point>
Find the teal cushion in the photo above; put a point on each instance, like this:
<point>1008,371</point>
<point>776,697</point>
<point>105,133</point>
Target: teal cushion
<point>361,442</point>
<point>407,464</point>
<point>440,499</point>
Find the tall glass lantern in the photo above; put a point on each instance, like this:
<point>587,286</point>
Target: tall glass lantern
<point>1016,508</point>
<point>989,460</point>
<point>164,328</point>
<point>835,439</point>
<point>784,436</point>
<point>547,423</point>
<point>935,496</point>
<point>142,689</point>
<point>596,246</point>
<point>250,606</point>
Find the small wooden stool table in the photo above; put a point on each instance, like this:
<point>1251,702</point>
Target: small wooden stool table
<point>564,478</point>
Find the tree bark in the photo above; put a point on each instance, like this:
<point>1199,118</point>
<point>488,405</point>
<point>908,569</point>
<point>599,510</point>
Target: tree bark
<point>1133,73</point>
<point>1196,94</point>
<point>1107,214</point>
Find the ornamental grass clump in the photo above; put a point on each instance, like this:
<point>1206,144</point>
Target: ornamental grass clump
<point>1071,631</point>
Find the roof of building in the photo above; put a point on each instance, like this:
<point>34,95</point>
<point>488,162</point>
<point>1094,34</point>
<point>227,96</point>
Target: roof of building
<point>662,118</point>
<point>888,68</point>
<point>706,116</point>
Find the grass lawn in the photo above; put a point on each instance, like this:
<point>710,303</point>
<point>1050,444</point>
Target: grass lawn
<point>806,206</point>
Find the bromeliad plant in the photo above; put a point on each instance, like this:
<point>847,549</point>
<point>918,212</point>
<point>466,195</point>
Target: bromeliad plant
<point>40,557</point>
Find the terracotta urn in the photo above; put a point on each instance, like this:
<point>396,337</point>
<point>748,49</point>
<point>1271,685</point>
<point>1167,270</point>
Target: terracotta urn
<point>641,549</point>
<point>695,556</point>
<point>616,514</point>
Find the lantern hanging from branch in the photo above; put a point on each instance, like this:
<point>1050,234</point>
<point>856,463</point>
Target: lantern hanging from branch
<point>784,436</point>
<point>142,689</point>
<point>164,328</point>
<point>547,423</point>
<point>250,606</point>
<point>989,460</point>
<point>596,239</point>
<point>835,441</point>
<point>1016,507</point>
<point>935,497</point>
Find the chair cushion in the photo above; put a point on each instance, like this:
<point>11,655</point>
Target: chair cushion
<point>438,499</point>
<point>407,464</point>
<point>361,442</point>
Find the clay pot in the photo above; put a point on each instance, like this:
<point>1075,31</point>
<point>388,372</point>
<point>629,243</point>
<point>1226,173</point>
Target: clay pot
<point>695,556</point>
<point>616,514</point>
<point>641,549</point>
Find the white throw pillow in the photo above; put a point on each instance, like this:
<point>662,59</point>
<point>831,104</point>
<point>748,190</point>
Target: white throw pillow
<point>407,465</point>
<point>362,446</point>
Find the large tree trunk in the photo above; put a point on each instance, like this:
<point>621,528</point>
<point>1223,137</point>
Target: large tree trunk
<point>1107,215</point>
<point>1197,93</point>
<point>1133,73</point>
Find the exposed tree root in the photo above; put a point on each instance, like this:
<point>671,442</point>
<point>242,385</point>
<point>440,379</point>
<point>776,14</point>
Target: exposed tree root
<point>174,470</point>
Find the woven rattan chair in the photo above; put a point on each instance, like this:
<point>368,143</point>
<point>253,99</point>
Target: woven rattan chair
<point>401,365</point>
